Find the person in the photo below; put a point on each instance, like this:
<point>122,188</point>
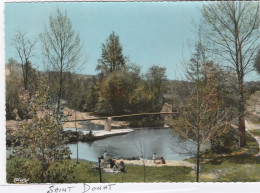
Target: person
<point>122,166</point>
<point>154,157</point>
<point>163,161</point>
<point>106,157</point>
<point>112,163</point>
<point>115,168</point>
<point>105,154</point>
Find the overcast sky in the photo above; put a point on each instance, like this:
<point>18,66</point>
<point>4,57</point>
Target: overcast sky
<point>150,33</point>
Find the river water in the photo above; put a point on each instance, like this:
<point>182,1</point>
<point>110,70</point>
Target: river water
<point>142,142</point>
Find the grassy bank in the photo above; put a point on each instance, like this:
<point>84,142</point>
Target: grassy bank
<point>239,166</point>
<point>256,132</point>
<point>71,172</point>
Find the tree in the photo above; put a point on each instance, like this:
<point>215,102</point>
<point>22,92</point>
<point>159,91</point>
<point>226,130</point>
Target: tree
<point>141,148</point>
<point>13,83</point>
<point>24,48</point>
<point>92,97</point>
<point>156,85</point>
<point>203,117</point>
<point>41,137</point>
<point>61,48</point>
<point>233,30</point>
<point>114,93</point>
<point>112,57</point>
<point>257,62</point>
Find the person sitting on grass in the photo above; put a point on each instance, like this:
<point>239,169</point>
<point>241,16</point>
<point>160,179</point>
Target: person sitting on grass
<point>115,168</point>
<point>163,161</point>
<point>122,167</point>
<point>112,163</point>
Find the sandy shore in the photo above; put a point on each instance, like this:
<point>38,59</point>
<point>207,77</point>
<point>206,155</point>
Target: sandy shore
<point>150,163</point>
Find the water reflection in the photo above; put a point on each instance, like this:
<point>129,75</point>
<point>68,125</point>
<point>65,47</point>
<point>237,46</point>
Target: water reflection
<point>140,143</point>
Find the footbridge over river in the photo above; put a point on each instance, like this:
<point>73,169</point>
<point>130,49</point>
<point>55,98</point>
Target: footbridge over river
<point>108,120</point>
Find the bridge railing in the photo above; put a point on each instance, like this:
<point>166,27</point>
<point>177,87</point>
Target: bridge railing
<point>120,116</point>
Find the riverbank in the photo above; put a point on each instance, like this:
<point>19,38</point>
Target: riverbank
<point>88,136</point>
<point>71,116</point>
<point>150,163</point>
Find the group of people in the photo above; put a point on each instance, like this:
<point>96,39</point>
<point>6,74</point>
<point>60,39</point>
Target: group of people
<point>158,160</point>
<point>112,163</point>
<point>107,162</point>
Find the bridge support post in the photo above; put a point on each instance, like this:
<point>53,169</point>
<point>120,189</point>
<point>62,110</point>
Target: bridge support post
<point>108,122</point>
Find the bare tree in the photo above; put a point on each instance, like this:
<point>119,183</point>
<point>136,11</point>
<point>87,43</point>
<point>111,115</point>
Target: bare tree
<point>61,48</point>
<point>232,29</point>
<point>24,48</point>
<point>203,116</point>
<point>142,152</point>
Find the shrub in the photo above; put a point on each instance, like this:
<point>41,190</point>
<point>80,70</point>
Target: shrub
<point>61,172</point>
<point>23,168</point>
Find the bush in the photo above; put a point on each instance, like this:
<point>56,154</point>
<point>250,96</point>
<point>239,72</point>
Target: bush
<point>23,168</point>
<point>61,172</point>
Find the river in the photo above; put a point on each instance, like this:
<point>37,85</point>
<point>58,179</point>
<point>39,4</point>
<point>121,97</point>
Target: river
<point>142,142</point>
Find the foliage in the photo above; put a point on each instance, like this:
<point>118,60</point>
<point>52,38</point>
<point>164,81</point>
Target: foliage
<point>61,48</point>
<point>91,99</point>
<point>155,84</point>
<point>42,136</point>
<point>23,168</point>
<point>14,84</point>
<point>115,90</point>
<point>61,172</point>
<point>75,90</point>
<point>232,28</point>
<point>226,141</point>
<point>252,87</point>
<point>177,93</point>
<point>125,92</point>
<point>112,58</point>
<point>203,117</point>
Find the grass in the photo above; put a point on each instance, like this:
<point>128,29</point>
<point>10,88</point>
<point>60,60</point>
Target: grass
<point>235,167</point>
<point>239,166</point>
<point>256,132</point>
<point>82,173</point>
<point>134,173</point>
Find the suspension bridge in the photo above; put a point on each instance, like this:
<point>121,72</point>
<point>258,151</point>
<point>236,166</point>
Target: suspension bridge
<point>108,120</point>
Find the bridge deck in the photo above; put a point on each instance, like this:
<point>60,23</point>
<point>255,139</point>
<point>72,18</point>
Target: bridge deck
<point>119,116</point>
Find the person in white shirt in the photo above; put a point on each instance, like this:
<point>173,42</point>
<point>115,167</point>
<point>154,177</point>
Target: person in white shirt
<point>154,157</point>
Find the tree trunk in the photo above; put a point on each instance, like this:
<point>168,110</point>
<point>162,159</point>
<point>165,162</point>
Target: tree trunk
<point>60,92</point>
<point>144,172</point>
<point>241,112</point>
<point>198,162</point>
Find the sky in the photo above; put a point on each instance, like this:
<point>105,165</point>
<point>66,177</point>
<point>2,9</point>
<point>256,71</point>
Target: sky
<point>151,33</point>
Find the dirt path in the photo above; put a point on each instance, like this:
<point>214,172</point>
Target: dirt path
<point>250,126</point>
